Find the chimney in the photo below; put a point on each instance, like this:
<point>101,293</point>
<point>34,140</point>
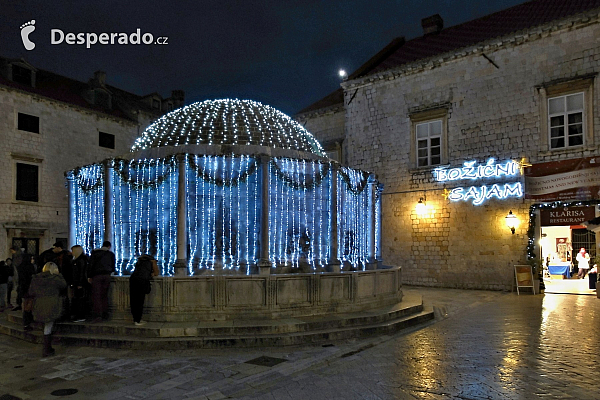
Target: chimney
<point>100,78</point>
<point>432,25</point>
<point>178,97</point>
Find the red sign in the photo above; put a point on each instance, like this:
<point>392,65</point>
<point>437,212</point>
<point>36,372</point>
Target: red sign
<point>577,179</point>
<point>562,216</point>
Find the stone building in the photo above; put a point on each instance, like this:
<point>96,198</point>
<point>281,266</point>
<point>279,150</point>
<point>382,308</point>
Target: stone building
<point>451,122</point>
<point>50,124</point>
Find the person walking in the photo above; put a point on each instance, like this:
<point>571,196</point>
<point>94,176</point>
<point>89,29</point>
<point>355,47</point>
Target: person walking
<point>80,284</point>
<point>25,271</point>
<point>146,267</point>
<point>102,265</point>
<point>583,262</point>
<point>3,284</point>
<point>46,288</point>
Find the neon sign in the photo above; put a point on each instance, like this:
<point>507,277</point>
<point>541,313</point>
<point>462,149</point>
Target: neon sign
<point>482,193</point>
<point>472,171</point>
<point>478,194</point>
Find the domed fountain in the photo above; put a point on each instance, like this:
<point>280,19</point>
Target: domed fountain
<point>244,213</point>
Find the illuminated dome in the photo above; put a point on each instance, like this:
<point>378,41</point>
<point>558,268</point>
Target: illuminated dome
<point>229,122</point>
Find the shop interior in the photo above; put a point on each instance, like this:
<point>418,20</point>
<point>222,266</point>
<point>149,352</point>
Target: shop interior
<point>560,246</point>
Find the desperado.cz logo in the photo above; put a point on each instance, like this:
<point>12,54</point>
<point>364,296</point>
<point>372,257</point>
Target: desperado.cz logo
<point>90,38</point>
<point>57,36</point>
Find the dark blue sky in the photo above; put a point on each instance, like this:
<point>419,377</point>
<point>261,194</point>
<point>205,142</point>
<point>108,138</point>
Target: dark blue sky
<point>281,52</point>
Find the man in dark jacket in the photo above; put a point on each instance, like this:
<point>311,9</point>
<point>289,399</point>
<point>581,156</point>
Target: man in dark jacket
<point>146,267</point>
<point>80,284</point>
<point>102,265</point>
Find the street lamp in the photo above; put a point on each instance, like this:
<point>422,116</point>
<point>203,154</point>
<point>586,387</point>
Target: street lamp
<point>511,221</point>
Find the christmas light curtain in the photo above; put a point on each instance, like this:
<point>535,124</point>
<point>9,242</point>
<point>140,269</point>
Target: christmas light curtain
<point>300,223</point>
<point>145,212</point>
<point>223,211</point>
<point>88,204</point>
<point>353,216</point>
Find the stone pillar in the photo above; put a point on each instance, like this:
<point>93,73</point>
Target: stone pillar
<point>371,183</point>
<point>264,265</point>
<point>334,262</point>
<point>181,266</point>
<point>108,203</point>
<point>72,216</point>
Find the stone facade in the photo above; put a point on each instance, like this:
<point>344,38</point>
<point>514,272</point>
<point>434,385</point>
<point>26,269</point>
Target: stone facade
<point>492,99</point>
<point>68,137</point>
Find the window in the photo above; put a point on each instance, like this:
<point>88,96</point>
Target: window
<point>29,123</point>
<point>21,75</point>
<point>429,136</point>
<point>566,121</point>
<point>27,182</point>
<point>567,115</point>
<point>429,143</point>
<point>156,104</point>
<point>106,140</point>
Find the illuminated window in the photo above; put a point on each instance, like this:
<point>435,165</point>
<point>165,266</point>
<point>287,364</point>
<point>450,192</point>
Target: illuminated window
<point>566,121</point>
<point>429,143</point>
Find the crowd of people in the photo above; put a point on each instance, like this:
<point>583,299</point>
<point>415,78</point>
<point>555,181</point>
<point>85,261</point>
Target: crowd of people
<point>62,285</point>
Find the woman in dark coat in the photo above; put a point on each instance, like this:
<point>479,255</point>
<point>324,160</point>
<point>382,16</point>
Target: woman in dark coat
<point>139,285</point>
<point>46,290</point>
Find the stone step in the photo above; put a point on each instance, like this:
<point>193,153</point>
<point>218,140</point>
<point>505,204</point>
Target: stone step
<point>217,334</point>
<point>408,306</point>
<point>212,342</point>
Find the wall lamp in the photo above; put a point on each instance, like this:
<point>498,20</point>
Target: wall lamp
<point>421,207</point>
<point>511,221</point>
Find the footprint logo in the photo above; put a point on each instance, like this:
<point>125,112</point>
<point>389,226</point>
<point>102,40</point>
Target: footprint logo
<point>26,29</point>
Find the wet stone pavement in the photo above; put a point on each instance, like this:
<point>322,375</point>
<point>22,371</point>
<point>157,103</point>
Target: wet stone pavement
<point>482,345</point>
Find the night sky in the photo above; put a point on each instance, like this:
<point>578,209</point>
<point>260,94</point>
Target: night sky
<point>280,52</point>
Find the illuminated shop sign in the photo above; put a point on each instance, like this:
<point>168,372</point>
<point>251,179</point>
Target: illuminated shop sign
<point>471,170</point>
<point>478,194</point>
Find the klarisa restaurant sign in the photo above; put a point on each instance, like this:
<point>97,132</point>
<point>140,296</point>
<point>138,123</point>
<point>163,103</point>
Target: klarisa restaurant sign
<point>566,215</point>
<point>567,180</point>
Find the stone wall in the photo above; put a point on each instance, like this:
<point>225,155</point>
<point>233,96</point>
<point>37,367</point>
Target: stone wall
<point>68,138</point>
<point>492,111</point>
<point>327,127</point>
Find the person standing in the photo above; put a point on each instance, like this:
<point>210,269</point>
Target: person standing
<point>80,284</point>
<point>9,284</point>
<point>17,259</point>
<point>46,288</point>
<point>3,284</point>
<point>63,260</point>
<point>583,262</point>
<point>102,265</point>
<point>140,285</point>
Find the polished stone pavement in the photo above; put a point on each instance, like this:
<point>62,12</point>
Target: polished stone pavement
<point>482,345</point>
